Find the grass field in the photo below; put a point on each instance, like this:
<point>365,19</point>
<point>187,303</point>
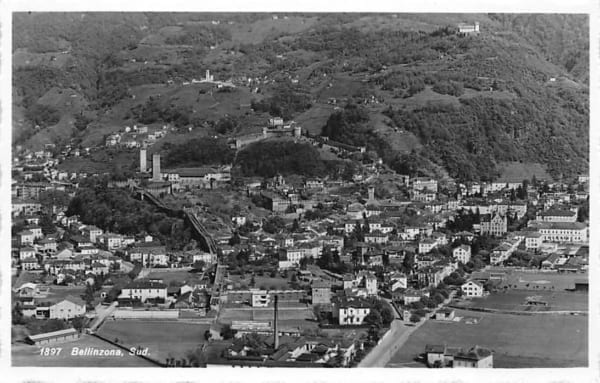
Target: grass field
<point>541,281</point>
<point>264,282</point>
<point>163,338</point>
<point>517,340</point>
<point>26,355</point>
<point>514,300</point>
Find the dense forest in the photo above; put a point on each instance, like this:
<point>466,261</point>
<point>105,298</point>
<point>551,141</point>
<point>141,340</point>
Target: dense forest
<point>116,211</point>
<point>269,158</point>
<point>198,152</point>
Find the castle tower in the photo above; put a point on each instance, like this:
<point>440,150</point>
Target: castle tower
<point>143,158</point>
<point>371,193</point>
<point>156,167</point>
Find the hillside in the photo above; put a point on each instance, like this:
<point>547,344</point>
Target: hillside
<point>516,92</point>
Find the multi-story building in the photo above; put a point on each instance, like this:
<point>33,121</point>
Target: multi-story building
<point>562,232</point>
<point>472,289</point>
<point>462,253</point>
<point>321,292</point>
<point>143,290</point>
<point>556,215</point>
<point>493,224</point>
<point>423,183</point>
<point>352,311</point>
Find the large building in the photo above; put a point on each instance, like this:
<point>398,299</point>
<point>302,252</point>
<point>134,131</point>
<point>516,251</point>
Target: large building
<point>144,290</point>
<point>556,215</point>
<point>321,292</point>
<point>562,232</point>
<point>352,311</point>
<point>493,224</point>
<point>462,253</point>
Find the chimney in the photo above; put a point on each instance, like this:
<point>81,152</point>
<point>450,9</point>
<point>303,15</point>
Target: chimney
<point>156,167</point>
<point>275,330</point>
<point>143,156</point>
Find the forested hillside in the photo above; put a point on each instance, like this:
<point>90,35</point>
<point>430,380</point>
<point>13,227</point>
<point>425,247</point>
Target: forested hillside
<point>406,86</point>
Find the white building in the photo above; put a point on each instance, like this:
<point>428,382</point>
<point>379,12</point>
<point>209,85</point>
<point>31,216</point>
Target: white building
<point>353,312</point>
<point>563,232</point>
<point>144,290</point>
<point>462,253</point>
<point>472,289</point>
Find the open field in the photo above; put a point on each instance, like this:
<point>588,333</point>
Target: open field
<point>163,338</point>
<point>264,282</point>
<point>514,300</point>
<point>179,276</point>
<point>541,281</point>
<point>517,340</point>
<point>26,355</point>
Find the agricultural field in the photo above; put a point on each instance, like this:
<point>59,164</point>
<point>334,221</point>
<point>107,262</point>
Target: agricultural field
<point>515,300</point>
<point>27,355</point>
<point>164,339</point>
<point>517,340</point>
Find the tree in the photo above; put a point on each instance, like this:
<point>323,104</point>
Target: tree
<point>387,316</point>
<point>198,265</point>
<point>408,262</point>
<point>89,296</point>
<point>227,332</point>
<point>295,226</point>
<point>235,239</point>
<point>374,318</point>
<point>252,281</point>
<point>414,318</point>
<point>47,225</point>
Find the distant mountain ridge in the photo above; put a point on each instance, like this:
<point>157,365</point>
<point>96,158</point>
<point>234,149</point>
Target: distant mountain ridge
<point>518,91</point>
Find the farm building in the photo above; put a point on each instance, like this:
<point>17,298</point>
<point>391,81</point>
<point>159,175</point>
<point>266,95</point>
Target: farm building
<point>54,336</point>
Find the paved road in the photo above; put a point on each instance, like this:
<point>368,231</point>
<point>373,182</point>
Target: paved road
<point>103,315</point>
<point>393,340</point>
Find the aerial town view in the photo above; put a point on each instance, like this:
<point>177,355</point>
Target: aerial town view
<point>300,190</point>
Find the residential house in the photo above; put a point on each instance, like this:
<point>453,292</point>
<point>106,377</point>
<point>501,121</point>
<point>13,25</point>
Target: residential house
<point>462,253</point>
<point>144,290</point>
<point>92,232</point>
<point>321,292</point>
<point>376,237</point>
<point>475,357</point>
<point>26,237</point>
<point>472,289</point>
<point>352,311</point>
<point>26,252</point>
<point>533,240</point>
<point>30,263</point>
